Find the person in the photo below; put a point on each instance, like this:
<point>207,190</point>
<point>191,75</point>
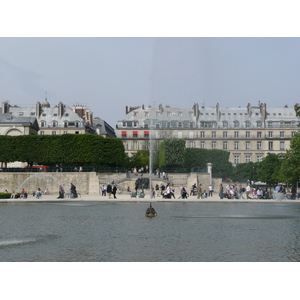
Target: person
<point>192,189</point>
<point>38,193</point>
<point>46,192</point>
<point>13,195</point>
<point>172,190</point>
<point>109,190</point>
<point>6,191</point>
<point>73,191</point>
<point>157,190</point>
<point>128,189</point>
<point>60,192</point>
<point>221,190</point>
<point>103,190</point>
<point>204,195</point>
<point>183,193</point>
<point>199,191</point>
<point>294,192</point>
<point>241,192</point>
<point>210,190</point>
<point>248,191</point>
<point>114,191</point>
<point>23,194</point>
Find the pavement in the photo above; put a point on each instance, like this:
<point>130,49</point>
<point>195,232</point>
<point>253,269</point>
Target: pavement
<point>126,197</point>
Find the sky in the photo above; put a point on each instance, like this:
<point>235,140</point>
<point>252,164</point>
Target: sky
<point>106,74</point>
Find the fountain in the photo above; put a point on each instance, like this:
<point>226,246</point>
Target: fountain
<point>39,180</point>
<point>151,127</point>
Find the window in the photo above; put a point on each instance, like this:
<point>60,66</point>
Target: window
<point>236,123</point>
<point>53,132</point>
<point>236,145</point>
<point>259,158</point>
<point>225,124</point>
<point>202,134</point>
<point>281,134</point>
<point>236,159</point>
<point>213,134</point>
<point>214,145</point>
<point>42,132</point>
<point>146,134</point>
<point>202,145</point>
<point>270,134</point>
<point>248,124</point>
<point>270,145</point>
<point>65,132</point>
<point>293,133</point>
<point>185,124</point>
<point>180,134</point>
<point>191,134</point>
<point>54,124</point>
<point>164,124</point>
<point>248,145</point>
<point>124,134</point>
<point>129,124</point>
<point>259,134</point>
<point>282,146</point>
<point>55,115</point>
<point>32,113</point>
<point>174,124</point>
<point>191,124</point>
<point>248,158</point>
<point>43,124</point>
<point>224,134</point>
<point>44,115</point>
<point>258,124</point>
<point>247,134</point>
<point>225,145</point>
<point>236,134</point>
<point>258,145</point>
<point>191,144</point>
<point>135,134</point>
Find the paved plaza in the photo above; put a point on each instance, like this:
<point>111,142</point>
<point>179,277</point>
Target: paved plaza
<point>126,197</point>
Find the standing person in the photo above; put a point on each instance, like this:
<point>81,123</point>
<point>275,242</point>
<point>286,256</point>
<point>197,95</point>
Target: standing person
<point>172,190</point>
<point>109,190</point>
<point>103,190</point>
<point>73,191</point>
<point>114,191</point>
<point>199,191</point>
<point>248,191</point>
<point>38,193</point>
<point>210,191</point>
<point>294,192</point>
<point>221,191</point>
<point>157,190</point>
<point>241,191</point>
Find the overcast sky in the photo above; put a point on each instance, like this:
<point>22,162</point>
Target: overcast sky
<point>106,74</point>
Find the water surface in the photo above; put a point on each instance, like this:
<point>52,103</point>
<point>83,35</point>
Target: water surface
<point>120,232</point>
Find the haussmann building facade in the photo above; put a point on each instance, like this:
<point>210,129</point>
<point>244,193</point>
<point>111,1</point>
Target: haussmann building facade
<point>248,133</point>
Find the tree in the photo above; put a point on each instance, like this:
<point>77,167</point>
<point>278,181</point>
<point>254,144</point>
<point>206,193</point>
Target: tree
<point>172,153</point>
<point>269,169</point>
<point>290,170</point>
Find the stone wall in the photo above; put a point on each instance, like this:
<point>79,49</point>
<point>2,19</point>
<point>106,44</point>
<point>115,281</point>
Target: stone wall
<point>85,182</point>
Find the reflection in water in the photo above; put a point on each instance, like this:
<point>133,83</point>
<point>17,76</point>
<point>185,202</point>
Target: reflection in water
<point>121,232</point>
